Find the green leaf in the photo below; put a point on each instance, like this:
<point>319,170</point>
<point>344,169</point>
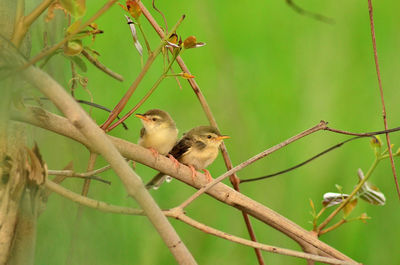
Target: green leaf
<point>79,62</point>
<point>73,47</point>
<point>76,8</point>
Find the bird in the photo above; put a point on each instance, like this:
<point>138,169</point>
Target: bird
<point>198,148</point>
<point>159,132</point>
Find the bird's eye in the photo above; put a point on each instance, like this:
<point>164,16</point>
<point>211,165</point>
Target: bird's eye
<point>209,136</point>
<point>154,119</point>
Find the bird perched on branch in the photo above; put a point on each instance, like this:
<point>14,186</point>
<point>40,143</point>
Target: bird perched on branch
<point>159,132</point>
<point>197,149</point>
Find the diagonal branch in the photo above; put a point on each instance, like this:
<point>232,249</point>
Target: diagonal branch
<point>46,120</point>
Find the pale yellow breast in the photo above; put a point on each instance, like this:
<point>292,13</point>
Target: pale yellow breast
<point>200,159</point>
<point>163,140</point>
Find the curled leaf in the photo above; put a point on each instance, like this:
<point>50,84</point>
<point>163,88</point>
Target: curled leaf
<point>73,47</point>
<point>369,192</point>
<point>191,42</point>
<point>136,42</point>
<point>332,198</point>
<point>133,8</point>
<point>50,11</point>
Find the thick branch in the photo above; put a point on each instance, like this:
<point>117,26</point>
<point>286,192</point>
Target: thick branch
<point>41,118</point>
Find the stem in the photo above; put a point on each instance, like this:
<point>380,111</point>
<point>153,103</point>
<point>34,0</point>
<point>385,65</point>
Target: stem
<point>318,127</point>
<point>144,37</point>
<point>121,104</point>
<point>101,66</point>
<point>353,193</point>
<point>378,73</point>
<point>22,23</point>
<point>333,227</point>
<point>148,94</point>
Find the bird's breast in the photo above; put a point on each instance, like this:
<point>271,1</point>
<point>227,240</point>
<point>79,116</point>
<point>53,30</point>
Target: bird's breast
<point>200,158</point>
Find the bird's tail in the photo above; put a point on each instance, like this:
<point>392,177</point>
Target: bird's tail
<point>157,180</point>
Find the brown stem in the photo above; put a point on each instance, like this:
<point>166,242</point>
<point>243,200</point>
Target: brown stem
<point>101,66</point>
<point>332,227</point>
<point>378,73</point>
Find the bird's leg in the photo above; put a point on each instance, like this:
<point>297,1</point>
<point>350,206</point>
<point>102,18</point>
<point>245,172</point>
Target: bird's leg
<point>194,172</point>
<point>208,175</point>
<point>154,152</point>
<point>173,159</point>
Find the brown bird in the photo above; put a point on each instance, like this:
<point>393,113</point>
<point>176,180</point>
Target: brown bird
<point>159,132</point>
<point>197,149</point>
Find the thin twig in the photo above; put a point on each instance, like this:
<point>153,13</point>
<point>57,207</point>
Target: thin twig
<point>121,104</point>
<point>316,128</point>
<point>313,15</point>
<point>301,164</point>
<point>101,66</point>
<point>378,73</point>
<point>105,207</point>
<point>287,252</point>
<point>86,177</point>
<point>367,134</point>
<point>331,228</point>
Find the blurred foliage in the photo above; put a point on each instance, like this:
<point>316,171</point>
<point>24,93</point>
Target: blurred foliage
<point>267,73</point>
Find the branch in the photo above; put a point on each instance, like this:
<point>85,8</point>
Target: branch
<point>179,215</point>
<point>318,127</point>
<point>101,66</point>
<point>46,120</point>
<point>313,15</point>
<point>302,163</point>
<point>23,23</point>
<point>378,73</point>
<point>101,144</point>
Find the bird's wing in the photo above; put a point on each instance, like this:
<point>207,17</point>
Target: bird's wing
<point>181,147</point>
<point>142,132</point>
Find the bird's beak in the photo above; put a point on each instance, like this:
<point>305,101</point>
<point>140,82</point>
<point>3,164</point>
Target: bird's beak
<point>141,116</point>
<point>222,137</point>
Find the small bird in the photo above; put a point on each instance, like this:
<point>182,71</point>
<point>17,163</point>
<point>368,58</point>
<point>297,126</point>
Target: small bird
<point>197,149</point>
<point>159,132</point>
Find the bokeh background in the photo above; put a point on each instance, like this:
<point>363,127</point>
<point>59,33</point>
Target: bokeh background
<point>268,73</point>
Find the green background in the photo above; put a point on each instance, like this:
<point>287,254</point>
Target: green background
<point>268,73</point>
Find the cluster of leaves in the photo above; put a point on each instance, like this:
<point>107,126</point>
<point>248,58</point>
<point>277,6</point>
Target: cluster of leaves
<point>364,190</point>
